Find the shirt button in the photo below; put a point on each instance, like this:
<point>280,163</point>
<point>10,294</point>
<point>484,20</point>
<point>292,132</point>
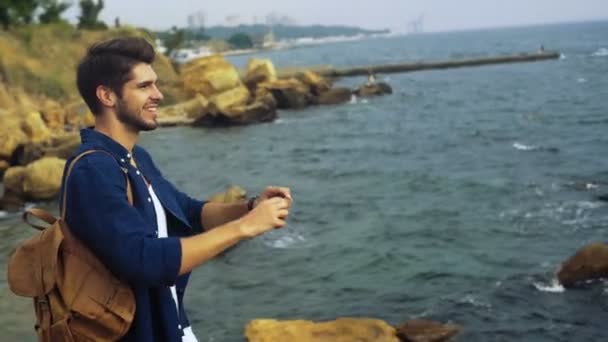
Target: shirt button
<point>149,199</point>
<point>137,172</point>
<point>179,326</point>
<point>128,155</point>
<point>122,160</point>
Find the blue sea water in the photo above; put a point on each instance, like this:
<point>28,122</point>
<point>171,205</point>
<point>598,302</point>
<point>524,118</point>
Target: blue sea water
<point>453,199</point>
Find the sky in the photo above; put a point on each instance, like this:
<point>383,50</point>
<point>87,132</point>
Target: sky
<point>438,15</point>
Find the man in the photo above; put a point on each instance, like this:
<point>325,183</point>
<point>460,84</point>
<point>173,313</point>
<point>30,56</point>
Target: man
<point>154,243</point>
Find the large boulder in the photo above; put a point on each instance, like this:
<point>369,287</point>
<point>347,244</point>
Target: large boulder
<point>221,102</point>
<point>13,180</point>
<point>340,330</point>
<point>374,89</point>
<point>316,83</point>
<point>11,134</point>
<point>4,165</point>
<point>240,115</point>
<point>60,146</point>
<point>35,128</point>
<point>259,71</point>
<point>42,179</point>
<point>78,115</point>
<point>289,93</point>
<point>420,330</point>
<point>184,113</point>
<point>54,115</point>
<point>334,96</point>
<point>589,262</point>
<point>209,76</point>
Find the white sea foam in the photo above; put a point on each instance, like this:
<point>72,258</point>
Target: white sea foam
<point>562,56</point>
<point>601,52</point>
<point>283,239</point>
<point>581,80</point>
<point>522,147</point>
<point>3,214</point>
<point>353,99</point>
<point>553,287</point>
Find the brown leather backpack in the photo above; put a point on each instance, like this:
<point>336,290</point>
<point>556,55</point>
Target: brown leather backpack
<point>76,298</point>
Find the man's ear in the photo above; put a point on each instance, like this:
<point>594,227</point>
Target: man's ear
<point>106,96</point>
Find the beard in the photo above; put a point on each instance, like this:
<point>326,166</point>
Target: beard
<point>133,118</point>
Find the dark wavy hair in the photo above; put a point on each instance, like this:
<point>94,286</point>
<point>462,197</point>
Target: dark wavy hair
<point>109,64</point>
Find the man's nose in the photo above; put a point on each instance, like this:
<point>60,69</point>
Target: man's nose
<point>157,94</point>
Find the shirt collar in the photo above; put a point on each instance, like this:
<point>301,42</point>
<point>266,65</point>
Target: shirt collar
<point>101,141</point>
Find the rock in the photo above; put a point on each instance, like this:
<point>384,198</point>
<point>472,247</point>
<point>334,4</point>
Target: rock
<point>53,115</point>
<point>11,134</point>
<point>35,128</point>
<point>4,165</point>
<point>232,194</point>
<point>13,180</point>
<point>240,115</point>
<point>420,330</point>
<point>78,115</point>
<point>289,94</point>
<point>258,71</point>
<point>313,80</point>
<point>589,262</point>
<point>60,146</point>
<point>376,89</point>
<point>209,76</point>
<point>184,113</point>
<point>42,178</point>
<point>335,96</point>
<point>220,103</point>
<point>340,330</point>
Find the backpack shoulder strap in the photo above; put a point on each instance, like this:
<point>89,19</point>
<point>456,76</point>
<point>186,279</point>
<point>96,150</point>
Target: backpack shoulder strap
<point>47,217</point>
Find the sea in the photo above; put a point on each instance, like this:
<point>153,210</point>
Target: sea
<point>453,199</point>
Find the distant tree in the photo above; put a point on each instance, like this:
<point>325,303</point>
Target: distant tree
<point>174,40</point>
<point>52,10</point>
<point>89,15</point>
<point>240,41</point>
<point>15,12</point>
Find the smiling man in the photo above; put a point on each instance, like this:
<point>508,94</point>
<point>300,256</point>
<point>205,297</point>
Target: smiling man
<point>154,242</point>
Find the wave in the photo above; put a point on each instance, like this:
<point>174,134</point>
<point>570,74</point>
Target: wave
<point>283,239</point>
<point>553,287</point>
<point>524,147</point>
<point>601,52</point>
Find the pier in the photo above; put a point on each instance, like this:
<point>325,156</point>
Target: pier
<point>419,66</point>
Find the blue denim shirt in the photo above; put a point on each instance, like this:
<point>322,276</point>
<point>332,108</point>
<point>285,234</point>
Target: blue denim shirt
<point>124,237</point>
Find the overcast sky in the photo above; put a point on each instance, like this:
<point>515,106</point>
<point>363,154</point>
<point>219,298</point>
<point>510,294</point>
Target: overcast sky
<point>439,15</point>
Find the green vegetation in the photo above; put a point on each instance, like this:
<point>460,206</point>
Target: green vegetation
<point>89,15</point>
<point>240,41</point>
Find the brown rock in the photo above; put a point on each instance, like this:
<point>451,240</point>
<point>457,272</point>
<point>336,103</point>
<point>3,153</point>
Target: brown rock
<point>221,102</point>
<point>35,128</point>
<point>4,165</point>
<point>11,201</point>
<point>375,89</point>
<point>13,180</point>
<point>232,194</point>
<point>78,115</point>
<point>334,96</point>
<point>289,94</point>
<point>420,330</point>
<point>258,71</point>
<point>60,146</point>
<point>42,178</point>
<point>209,76</point>
<point>53,115</point>
<point>589,262</point>
<point>316,83</point>
<point>11,134</point>
<point>340,330</point>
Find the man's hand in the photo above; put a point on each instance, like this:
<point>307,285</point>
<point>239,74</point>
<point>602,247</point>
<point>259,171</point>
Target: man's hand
<point>268,214</point>
<point>274,191</point>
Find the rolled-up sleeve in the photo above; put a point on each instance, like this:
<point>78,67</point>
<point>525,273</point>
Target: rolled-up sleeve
<point>99,214</point>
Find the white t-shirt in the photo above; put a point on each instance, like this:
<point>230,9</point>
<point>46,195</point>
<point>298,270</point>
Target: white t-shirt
<point>161,222</point>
